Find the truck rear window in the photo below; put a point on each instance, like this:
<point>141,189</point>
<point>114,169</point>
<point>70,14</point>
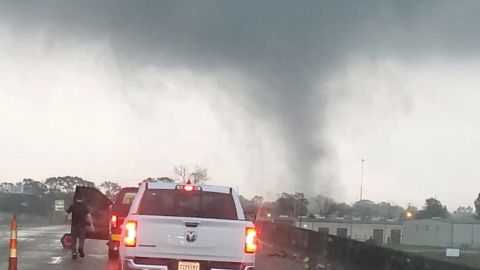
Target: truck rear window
<point>199,204</point>
<point>125,197</point>
<point>128,198</point>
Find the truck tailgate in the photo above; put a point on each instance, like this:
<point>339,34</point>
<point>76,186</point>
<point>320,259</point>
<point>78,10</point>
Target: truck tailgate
<point>190,238</point>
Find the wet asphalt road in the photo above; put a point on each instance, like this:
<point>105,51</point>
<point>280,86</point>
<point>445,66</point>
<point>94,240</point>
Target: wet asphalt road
<point>40,249</point>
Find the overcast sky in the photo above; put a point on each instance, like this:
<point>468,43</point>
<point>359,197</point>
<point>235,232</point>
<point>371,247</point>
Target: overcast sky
<point>270,96</point>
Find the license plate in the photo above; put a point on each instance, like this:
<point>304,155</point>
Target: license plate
<point>188,266</point>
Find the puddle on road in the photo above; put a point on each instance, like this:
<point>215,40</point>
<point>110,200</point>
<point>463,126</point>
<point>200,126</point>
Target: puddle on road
<point>97,256</point>
<point>22,239</point>
<point>55,260</point>
<point>25,239</point>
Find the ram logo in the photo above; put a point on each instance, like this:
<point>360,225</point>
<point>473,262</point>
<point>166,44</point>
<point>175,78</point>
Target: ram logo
<point>191,236</point>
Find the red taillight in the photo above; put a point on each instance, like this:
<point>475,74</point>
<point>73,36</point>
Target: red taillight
<point>250,240</point>
<point>130,233</point>
<point>188,188</point>
<point>114,221</point>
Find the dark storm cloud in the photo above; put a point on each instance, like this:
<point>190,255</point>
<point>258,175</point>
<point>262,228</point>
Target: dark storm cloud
<point>287,48</point>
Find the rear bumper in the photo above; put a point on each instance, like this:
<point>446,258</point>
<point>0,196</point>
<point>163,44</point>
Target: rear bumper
<point>135,264</point>
<point>131,265</point>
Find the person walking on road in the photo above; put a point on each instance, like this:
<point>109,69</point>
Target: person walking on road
<point>81,219</point>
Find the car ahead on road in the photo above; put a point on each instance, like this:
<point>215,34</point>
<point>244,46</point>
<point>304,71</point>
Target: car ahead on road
<point>187,227</point>
<point>118,212</point>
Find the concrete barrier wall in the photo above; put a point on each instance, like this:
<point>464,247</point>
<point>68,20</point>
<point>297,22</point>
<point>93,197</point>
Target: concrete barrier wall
<point>289,238</point>
<point>347,252</point>
<point>306,242</point>
<point>367,256</point>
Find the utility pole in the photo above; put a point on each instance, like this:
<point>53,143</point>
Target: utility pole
<point>295,208</point>
<point>301,205</point>
<point>361,182</point>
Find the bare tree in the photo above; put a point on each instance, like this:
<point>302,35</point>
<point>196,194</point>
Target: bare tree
<point>180,173</point>
<point>198,176</point>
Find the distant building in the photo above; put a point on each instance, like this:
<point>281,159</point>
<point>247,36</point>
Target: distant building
<point>380,231</point>
<point>284,219</point>
<point>441,233</point>
<point>11,188</point>
<point>421,232</point>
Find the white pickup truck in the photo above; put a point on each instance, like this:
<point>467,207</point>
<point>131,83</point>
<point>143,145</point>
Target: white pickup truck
<point>187,227</point>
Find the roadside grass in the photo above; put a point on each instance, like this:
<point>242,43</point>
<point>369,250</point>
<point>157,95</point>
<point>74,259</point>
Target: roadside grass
<point>469,257</point>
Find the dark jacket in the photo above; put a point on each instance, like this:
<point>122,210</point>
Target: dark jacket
<point>79,212</point>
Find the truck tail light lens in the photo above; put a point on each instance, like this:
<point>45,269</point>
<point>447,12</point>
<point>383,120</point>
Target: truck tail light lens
<point>130,233</point>
<point>114,221</point>
<point>250,240</point>
<point>188,188</point>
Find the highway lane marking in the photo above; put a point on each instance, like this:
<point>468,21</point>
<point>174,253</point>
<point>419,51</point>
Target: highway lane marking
<point>55,260</point>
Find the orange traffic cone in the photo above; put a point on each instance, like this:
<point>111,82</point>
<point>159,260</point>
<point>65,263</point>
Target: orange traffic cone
<point>12,260</point>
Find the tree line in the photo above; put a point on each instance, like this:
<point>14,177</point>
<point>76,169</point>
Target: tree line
<point>296,204</point>
<point>286,204</point>
<point>319,206</point>
<point>38,197</point>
